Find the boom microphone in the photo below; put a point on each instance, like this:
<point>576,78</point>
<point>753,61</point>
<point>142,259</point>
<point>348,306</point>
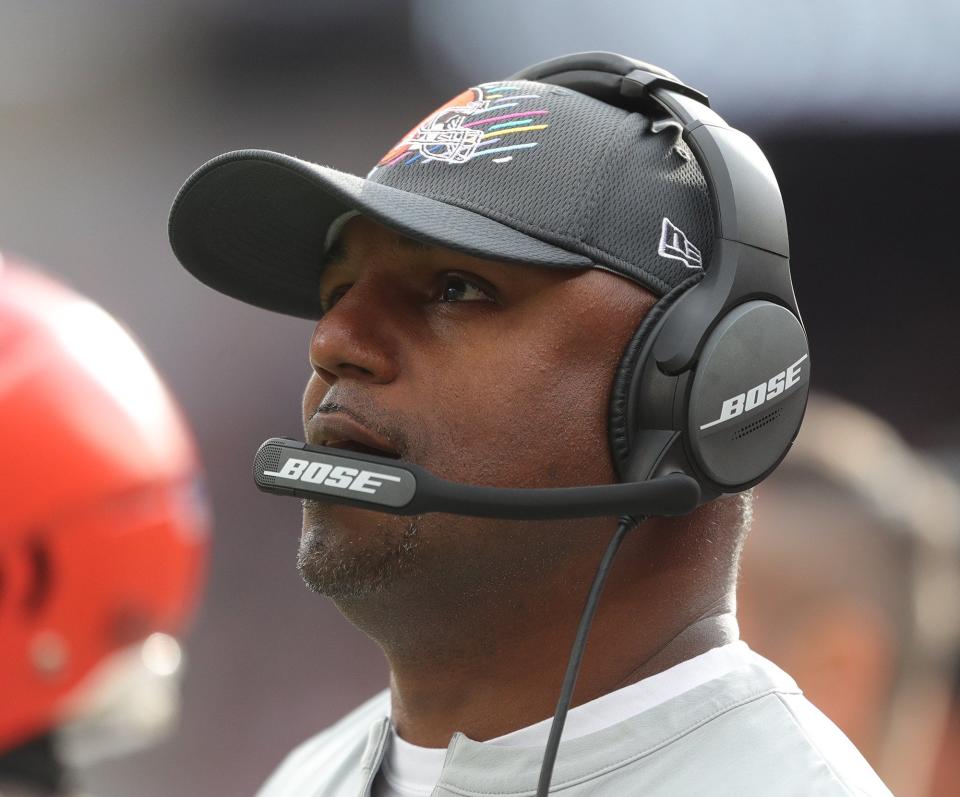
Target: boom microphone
<point>290,467</point>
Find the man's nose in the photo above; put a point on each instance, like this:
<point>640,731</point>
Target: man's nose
<point>352,340</point>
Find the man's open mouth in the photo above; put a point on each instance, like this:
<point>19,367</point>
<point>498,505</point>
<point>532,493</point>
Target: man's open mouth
<point>339,429</point>
<point>361,448</point>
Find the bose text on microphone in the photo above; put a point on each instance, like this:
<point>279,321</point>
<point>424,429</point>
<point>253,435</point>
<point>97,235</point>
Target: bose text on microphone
<point>290,467</point>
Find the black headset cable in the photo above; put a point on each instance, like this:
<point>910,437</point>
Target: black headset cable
<point>627,523</point>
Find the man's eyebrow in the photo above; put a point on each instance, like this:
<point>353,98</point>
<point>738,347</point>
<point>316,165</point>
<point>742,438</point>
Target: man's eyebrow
<point>413,244</point>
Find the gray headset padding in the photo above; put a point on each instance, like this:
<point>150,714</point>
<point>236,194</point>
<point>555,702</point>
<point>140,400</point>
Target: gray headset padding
<point>599,74</point>
<point>623,380</point>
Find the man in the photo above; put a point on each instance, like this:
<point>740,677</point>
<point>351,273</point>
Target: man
<point>475,295</point>
<point>850,581</point>
<point>103,535</point>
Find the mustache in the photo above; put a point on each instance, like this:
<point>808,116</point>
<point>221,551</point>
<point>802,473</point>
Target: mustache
<point>389,430</point>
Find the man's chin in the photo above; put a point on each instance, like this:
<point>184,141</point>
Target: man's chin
<point>349,553</point>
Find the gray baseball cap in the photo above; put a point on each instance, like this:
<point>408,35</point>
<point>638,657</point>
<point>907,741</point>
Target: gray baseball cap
<point>515,170</point>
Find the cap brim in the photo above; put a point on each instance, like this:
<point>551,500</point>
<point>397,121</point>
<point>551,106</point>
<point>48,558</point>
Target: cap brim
<point>252,224</point>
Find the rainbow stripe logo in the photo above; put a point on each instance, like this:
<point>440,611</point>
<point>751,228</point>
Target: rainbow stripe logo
<point>479,122</point>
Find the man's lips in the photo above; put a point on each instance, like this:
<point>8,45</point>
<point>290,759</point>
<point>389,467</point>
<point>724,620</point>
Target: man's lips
<point>338,430</point>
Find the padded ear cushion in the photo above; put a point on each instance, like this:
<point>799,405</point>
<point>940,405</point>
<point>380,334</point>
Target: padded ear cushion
<point>621,393</point>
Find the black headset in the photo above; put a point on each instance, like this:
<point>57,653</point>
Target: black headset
<point>714,382</point>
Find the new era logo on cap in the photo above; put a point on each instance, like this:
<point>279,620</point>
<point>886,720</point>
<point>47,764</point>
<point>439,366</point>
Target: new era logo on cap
<point>674,244</point>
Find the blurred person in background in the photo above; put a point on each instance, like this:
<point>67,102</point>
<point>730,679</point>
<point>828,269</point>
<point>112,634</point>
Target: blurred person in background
<point>945,780</point>
<point>103,534</point>
<point>851,582</point>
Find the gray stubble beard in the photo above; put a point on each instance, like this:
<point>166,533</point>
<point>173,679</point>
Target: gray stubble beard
<point>343,574</point>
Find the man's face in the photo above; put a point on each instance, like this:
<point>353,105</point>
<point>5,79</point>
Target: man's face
<point>480,371</point>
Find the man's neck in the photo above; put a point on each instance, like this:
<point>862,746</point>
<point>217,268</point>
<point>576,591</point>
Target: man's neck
<point>487,656</point>
<point>491,695</point>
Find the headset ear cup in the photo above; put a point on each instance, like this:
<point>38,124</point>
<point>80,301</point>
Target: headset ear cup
<point>747,394</point>
<point>622,393</point>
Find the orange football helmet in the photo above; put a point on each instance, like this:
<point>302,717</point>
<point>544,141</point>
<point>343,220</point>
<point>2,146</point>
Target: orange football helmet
<point>103,530</point>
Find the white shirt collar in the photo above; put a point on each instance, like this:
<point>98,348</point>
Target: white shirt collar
<point>416,770</point>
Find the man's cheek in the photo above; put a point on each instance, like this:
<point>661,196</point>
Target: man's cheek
<point>574,423</point>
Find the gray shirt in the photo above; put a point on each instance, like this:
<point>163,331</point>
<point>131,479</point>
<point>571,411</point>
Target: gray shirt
<point>749,731</point>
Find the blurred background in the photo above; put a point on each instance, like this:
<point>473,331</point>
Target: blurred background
<point>107,107</point>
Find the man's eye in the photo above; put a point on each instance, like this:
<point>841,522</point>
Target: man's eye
<point>333,298</point>
<point>459,289</point>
